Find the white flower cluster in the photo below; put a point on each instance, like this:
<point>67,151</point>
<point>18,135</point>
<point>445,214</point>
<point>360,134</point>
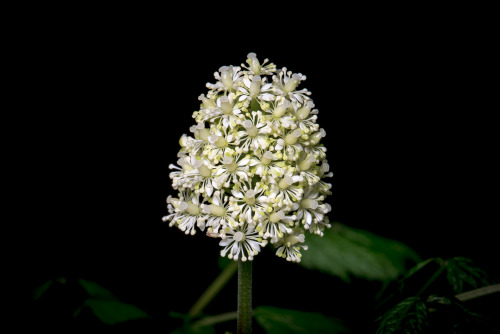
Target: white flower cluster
<point>252,172</point>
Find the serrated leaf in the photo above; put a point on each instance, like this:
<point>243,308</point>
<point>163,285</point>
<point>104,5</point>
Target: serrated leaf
<point>408,316</point>
<point>284,321</point>
<point>111,312</point>
<point>96,291</point>
<point>345,251</point>
<point>460,270</point>
<point>38,292</point>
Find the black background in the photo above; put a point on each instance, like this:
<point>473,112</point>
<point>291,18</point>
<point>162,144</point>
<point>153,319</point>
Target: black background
<point>409,139</point>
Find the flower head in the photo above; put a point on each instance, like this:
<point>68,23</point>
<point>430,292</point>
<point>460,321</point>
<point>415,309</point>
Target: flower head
<point>253,171</point>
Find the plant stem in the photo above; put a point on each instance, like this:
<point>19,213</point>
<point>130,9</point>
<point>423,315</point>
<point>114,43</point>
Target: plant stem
<point>431,280</point>
<point>478,292</point>
<point>244,297</point>
<point>215,319</point>
<point>213,289</point>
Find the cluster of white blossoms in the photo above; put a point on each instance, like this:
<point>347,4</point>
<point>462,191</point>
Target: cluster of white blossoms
<point>252,171</point>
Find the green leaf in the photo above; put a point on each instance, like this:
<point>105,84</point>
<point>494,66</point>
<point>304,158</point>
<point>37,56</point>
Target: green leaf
<point>408,316</point>
<point>111,312</point>
<point>96,291</point>
<point>460,270</point>
<point>284,321</point>
<point>420,266</point>
<point>38,292</point>
<point>345,251</point>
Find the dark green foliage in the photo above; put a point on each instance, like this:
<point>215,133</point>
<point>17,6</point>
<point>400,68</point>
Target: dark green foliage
<point>345,251</point>
<point>441,276</point>
<point>284,321</point>
<point>460,271</point>
<point>87,294</point>
<point>39,291</point>
<point>408,316</point>
<point>425,297</point>
<point>112,312</point>
<point>96,291</point>
<point>106,307</point>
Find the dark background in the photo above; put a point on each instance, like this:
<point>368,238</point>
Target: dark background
<point>409,138</point>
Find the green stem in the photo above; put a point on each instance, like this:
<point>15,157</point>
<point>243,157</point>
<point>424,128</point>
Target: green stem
<point>244,297</point>
<point>431,280</point>
<point>213,289</point>
<point>215,319</point>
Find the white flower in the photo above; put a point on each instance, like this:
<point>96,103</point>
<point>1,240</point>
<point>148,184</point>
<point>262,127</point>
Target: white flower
<point>256,68</point>
<point>308,169</point>
<point>257,88</point>
<point>290,145</point>
<point>186,212</point>
<point>305,118</point>
<point>286,85</point>
<point>289,246</point>
<point>254,168</point>
<point>254,134</point>
<point>220,144</point>
<point>242,242</point>
<point>267,167</point>
<point>279,117</point>
<point>200,178</point>
<point>227,78</point>
<point>311,212</point>
<point>233,170</point>
<point>287,190</point>
<point>219,218</point>
<point>249,202</point>
<point>275,225</point>
<point>227,112</point>
<point>311,145</point>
